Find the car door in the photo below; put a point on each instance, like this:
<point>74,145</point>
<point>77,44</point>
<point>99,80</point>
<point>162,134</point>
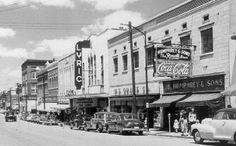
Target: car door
<point>228,126</point>
<point>217,124</point>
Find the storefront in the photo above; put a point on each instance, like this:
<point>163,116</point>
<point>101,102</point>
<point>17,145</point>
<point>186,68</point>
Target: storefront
<point>89,105</point>
<point>203,93</point>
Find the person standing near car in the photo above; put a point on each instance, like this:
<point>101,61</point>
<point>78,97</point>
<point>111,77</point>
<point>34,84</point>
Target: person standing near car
<point>192,118</point>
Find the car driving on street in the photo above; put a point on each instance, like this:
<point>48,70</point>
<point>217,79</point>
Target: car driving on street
<point>10,116</point>
<point>80,121</point>
<point>222,127</point>
<point>125,122</point>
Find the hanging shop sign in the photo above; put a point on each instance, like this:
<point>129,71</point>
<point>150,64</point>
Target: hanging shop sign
<point>172,61</point>
<point>78,61</point>
<point>198,84</point>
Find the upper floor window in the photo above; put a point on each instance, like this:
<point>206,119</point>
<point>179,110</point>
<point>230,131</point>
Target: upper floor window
<point>184,26</point>
<point>166,32</point>
<point>207,40</point>
<point>33,75</point>
<point>150,56</point>
<point>33,89</point>
<point>115,62</point>
<point>167,43</point>
<point>125,62</point>
<point>136,59</point>
<point>205,18</point>
<point>185,40</point>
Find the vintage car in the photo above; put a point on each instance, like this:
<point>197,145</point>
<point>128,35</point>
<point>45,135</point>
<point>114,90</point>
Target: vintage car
<point>99,121</point>
<point>222,127</point>
<point>79,121</point>
<point>125,122</point>
<point>10,116</point>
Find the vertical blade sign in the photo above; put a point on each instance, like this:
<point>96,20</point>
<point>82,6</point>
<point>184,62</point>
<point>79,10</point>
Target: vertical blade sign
<point>78,61</point>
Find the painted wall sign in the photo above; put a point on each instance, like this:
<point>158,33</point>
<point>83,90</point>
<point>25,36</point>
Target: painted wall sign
<point>78,61</point>
<point>173,68</point>
<point>173,53</point>
<point>206,83</point>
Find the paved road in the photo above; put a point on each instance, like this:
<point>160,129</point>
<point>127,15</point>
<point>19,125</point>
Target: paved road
<point>22,133</point>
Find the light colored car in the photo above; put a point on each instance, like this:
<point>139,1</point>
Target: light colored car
<point>222,127</point>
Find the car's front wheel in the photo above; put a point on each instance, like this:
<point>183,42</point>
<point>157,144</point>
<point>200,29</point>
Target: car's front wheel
<point>197,137</point>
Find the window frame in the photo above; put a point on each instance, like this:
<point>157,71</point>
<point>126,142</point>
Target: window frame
<point>203,39</point>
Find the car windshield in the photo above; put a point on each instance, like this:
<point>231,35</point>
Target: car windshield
<point>129,116</point>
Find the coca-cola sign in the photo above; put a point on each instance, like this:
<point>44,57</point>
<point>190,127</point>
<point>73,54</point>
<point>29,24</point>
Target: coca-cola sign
<point>173,68</point>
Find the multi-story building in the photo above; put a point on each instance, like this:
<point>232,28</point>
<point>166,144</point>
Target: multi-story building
<point>29,83</point>
<point>12,100</point>
<point>204,28</point>
<point>47,87</point>
<point>95,83</point>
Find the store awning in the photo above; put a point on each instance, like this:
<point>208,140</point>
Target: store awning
<point>231,91</point>
<point>198,99</point>
<point>165,101</point>
<point>61,107</point>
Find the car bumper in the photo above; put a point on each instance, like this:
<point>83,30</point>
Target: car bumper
<point>133,129</point>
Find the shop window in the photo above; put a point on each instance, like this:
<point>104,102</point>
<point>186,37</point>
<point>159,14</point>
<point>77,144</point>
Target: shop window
<point>115,63</point>
<point>136,59</point>
<point>150,56</point>
<point>207,40</point>
<point>125,62</point>
<point>185,40</point>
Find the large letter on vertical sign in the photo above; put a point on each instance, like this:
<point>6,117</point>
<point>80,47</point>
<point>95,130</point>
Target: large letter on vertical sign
<point>78,61</point>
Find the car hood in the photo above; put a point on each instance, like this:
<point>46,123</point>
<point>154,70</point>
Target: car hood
<point>132,121</point>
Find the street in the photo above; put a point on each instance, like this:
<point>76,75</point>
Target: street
<point>22,133</point>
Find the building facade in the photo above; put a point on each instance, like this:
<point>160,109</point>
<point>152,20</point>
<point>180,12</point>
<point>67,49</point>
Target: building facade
<point>205,24</point>
<point>29,83</point>
<point>95,83</point>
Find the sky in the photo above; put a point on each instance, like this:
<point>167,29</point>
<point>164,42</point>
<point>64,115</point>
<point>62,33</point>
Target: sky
<point>46,29</point>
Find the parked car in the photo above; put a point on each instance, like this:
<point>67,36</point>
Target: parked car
<point>125,122</point>
<point>99,121</point>
<point>80,121</point>
<point>10,116</point>
<point>222,127</point>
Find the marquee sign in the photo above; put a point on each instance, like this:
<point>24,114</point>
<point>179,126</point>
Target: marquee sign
<point>78,61</point>
<point>172,61</point>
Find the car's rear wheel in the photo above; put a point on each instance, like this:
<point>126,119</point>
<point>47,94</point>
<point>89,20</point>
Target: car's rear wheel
<point>223,141</point>
<point>197,137</point>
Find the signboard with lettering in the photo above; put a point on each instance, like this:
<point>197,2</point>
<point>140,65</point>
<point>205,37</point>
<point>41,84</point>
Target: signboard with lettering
<point>198,84</point>
<point>85,102</point>
<point>78,61</point>
<point>173,68</point>
<point>172,61</point>
<point>173,53</point>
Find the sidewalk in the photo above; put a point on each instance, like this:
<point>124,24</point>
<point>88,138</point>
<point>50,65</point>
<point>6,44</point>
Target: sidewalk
<point>156,132</point>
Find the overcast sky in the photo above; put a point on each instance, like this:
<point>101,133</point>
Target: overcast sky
<point>46,29</point>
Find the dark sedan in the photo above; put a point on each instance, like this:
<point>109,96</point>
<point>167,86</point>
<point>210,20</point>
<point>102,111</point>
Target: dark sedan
<point>124,123</point>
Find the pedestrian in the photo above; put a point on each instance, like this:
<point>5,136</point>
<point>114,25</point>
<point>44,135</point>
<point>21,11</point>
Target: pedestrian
<point>192,118</point>
<point>185,126</point>
<point>176,125</point>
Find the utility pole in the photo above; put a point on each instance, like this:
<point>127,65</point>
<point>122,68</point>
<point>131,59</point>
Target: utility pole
<point>10,100</point>
<point>132,68</point>
<point>44,102</point>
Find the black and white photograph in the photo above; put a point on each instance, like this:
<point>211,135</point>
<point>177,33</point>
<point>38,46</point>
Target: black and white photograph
<point>117,72</point>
